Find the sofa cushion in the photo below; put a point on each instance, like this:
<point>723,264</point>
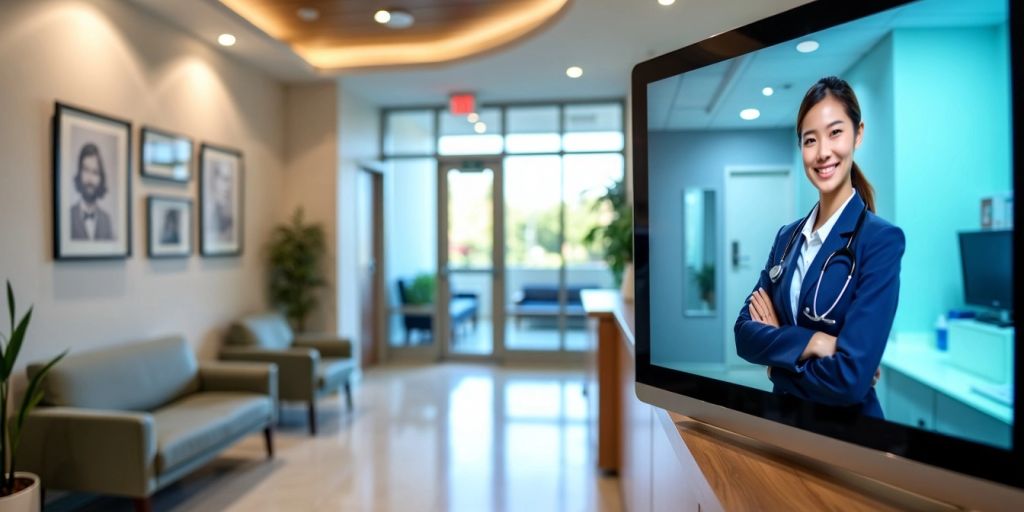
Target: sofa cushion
<point>131,377</point>
<point>332,373</point>
<point>205,421</point>
<point>269,331</point>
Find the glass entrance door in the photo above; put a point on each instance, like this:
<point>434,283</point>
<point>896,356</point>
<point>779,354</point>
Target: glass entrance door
<point>469,257</point>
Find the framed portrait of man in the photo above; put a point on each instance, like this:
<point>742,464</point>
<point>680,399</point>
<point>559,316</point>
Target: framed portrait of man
<point>91,185</point>
<point>220,201</point>
<point>169,227</point>
<point>165,156</point>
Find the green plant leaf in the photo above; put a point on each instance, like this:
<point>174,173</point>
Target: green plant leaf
<point>33,395</point>
<point>10,303</point>
<point>17,338</point>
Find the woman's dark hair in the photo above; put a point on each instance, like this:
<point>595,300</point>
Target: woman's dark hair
<point>842,92</point>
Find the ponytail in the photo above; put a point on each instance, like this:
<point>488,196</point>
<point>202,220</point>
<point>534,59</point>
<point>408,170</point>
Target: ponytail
<point>863,186</point>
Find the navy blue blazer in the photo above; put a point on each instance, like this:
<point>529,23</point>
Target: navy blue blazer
<point>863,317</point>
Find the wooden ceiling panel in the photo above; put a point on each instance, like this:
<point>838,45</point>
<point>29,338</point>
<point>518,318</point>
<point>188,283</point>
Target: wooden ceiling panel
<point>443,29</point>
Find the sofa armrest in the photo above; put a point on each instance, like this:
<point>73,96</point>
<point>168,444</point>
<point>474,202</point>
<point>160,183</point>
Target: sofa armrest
<point>91,450</point>
<point>296,368</point>
<point>327,345</point>
<point>239,376</point>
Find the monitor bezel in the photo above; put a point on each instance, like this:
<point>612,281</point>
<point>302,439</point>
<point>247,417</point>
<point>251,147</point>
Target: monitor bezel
<point>951,453</point>
<point>968,299</point>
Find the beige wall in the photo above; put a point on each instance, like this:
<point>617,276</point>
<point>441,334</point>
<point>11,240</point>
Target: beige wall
<point>311,155</point>
<point>107,56</point>
<point>358,136</point>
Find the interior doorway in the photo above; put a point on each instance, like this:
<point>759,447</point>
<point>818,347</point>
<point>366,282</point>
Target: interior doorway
<point>370,253</point>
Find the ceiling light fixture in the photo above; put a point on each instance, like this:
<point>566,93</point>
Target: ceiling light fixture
<point>767,91</point>
<point>666,2</point>
<point>382,16</point>
<point>574,72</point>
<point>473,117</point>
<point>308,14</point>
<point>807,46</point>
<point>749,114</point>
<point>480,127</point>
<point>226,40</point>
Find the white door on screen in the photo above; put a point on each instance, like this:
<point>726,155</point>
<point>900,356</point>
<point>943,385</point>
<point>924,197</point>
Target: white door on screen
<point>758,201</point>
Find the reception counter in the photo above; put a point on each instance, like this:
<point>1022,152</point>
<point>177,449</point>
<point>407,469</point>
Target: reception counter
<point>667,461</point>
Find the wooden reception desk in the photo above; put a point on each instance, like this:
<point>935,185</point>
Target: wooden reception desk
<point>667,461</point>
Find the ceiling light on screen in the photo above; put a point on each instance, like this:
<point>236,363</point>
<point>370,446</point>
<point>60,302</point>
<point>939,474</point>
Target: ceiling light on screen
<point>767,91</point>
<point>807,46</point>
<point>574,72</point>
<point>666,2</point>
<point>382,16</point>
<point>480,127</point>
<point>473,117</point>
<point>226,40</point>
<point>749,114</point>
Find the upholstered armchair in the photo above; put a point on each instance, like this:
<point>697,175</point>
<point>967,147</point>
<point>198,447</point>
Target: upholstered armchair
<point>309,366</point>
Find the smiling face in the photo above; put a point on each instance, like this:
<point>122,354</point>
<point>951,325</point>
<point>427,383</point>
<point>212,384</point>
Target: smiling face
<point>827,140</point>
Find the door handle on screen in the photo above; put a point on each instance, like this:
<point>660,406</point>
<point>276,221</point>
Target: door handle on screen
<point>735,254</point>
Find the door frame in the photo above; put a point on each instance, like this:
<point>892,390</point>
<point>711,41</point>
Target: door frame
<point>442,329</point>
<point>731,359</point>
<point>375,171</point>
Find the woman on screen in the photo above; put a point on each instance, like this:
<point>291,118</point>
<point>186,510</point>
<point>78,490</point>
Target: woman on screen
<point>820,314</point>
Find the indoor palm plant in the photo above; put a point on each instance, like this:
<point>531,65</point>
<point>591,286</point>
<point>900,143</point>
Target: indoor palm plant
<point>18,491</point>
<point>296,270</point>
<point>614,239</point>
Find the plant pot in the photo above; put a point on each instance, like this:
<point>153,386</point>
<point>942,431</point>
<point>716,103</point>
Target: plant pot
<point>627,283</point>
<point>25,500</point>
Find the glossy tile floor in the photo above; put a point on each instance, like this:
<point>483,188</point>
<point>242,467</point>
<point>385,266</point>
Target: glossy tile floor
<point>445,437</point>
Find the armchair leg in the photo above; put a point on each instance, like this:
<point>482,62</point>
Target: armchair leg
<point>268,436</point>
<point>348,396</point>
<point>312,417</point>
<point>144,504</point>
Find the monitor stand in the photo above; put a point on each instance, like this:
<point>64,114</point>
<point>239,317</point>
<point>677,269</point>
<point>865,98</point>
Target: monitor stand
<point>999,318</point>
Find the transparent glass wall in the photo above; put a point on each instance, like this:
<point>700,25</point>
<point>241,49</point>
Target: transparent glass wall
<point>471,259</point>
<point>558,159</point>
<point>411,237</point>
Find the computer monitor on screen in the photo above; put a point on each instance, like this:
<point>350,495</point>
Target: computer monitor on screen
<point>986,258</point>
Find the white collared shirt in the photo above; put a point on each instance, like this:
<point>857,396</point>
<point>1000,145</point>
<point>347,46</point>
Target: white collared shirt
<point>809,249</point>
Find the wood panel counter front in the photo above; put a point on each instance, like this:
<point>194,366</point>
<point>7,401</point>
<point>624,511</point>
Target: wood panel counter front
<point>667,461</point>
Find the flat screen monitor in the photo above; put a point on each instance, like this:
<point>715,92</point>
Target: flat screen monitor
<point>987,268</point>
<point>799,188</point>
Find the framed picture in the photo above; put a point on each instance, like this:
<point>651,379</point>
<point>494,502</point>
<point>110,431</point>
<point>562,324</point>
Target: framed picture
<point>91,185</point>
<point>165,156</point>
<point>220,201</point>
<point>169,227</point>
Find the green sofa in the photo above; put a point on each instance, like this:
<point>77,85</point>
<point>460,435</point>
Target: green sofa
<point>132,419</point>
<point>309,366</point>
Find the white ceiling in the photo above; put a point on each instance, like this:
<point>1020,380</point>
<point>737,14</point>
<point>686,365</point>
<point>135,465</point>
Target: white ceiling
<point>688,101</point>
<point>605,37</point>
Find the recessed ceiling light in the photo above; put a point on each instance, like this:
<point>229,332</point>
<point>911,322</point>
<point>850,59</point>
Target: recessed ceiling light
<point>666,2</point>
<point>480,127</point>
<point>807,46</point>
<point>767,91</point>
<point>473,117</point>
<point>382,16</point>
<point>574,72</point>
<point>308,14</point>
<point>749,114</point>
<point>226,40</point>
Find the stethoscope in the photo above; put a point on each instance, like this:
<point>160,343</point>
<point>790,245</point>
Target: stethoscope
<point>812,313</point>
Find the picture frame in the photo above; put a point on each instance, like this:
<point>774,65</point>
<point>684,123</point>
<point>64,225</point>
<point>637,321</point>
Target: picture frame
<point>92,208</point>
<point>221,194</point>
<point>164,155</point>
<point>168,227</point>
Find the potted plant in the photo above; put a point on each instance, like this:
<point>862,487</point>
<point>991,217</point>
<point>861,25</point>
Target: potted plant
<point>615,238</point>
<point>421,290</point>
<point>705,279</point>
<point>19,491</point>
<point>296,252</point>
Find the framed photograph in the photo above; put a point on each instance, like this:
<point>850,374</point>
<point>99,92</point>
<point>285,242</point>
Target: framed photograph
<point>169,227</point>
<point>91,185</point>
<point>220,201</point>
<point>165,156</point>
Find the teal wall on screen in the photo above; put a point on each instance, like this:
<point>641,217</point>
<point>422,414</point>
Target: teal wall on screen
<point>952,147</point>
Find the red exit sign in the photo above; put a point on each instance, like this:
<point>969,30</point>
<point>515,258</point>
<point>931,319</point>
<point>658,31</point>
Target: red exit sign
<point>462,104</point>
